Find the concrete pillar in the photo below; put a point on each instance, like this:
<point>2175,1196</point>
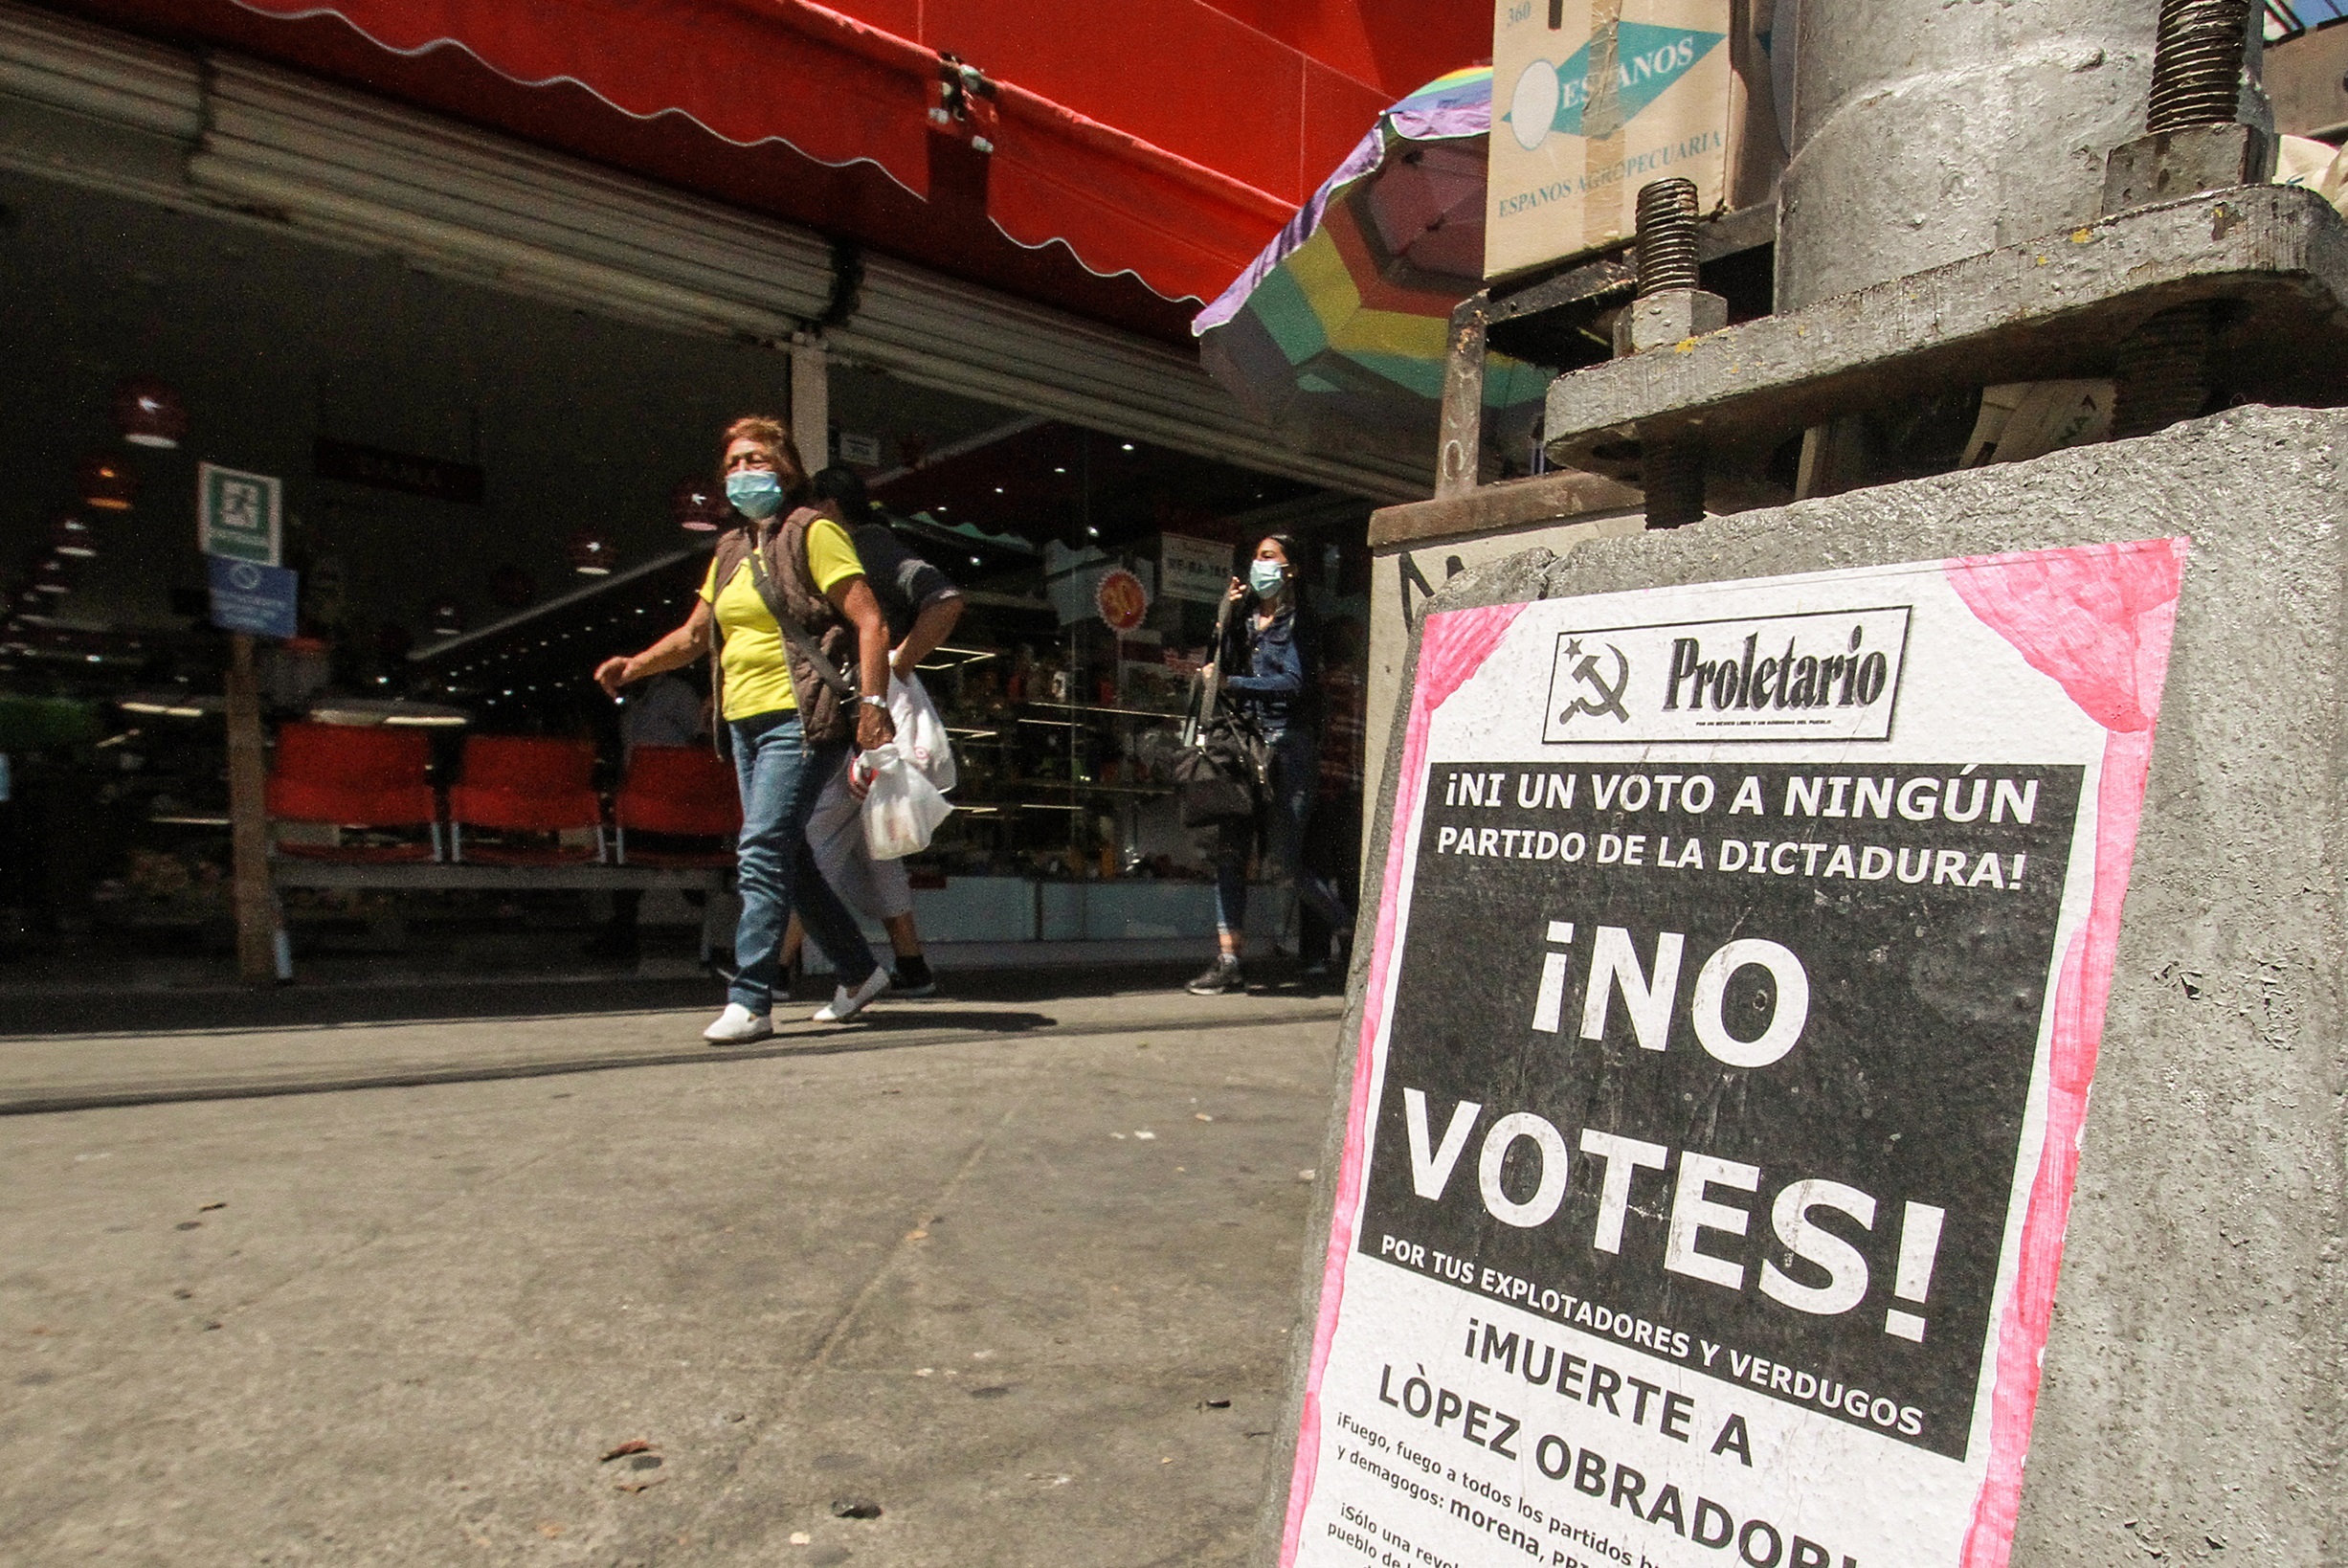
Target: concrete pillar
<point>811,405</point>
<point>1925,131</point>
<point>2191,1407</point>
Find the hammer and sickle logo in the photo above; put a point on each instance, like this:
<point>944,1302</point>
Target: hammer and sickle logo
<point>1603,698</point>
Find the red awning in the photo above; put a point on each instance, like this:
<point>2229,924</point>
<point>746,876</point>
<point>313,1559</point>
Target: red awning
<point>824,119</point>
<point>740,69</point>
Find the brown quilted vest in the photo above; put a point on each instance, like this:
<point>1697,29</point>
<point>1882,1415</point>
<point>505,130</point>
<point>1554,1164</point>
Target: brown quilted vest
<point>822,715</point>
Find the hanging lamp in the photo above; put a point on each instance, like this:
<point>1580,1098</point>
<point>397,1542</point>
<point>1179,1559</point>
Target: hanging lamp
<point>70,534</point>
<point>105,482</point>
<point>697,506</point>
<point>592,554</point>
<point>149,412</point>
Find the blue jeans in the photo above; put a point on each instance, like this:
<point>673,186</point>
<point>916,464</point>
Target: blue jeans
<point>1296,775</point>
<point>781,775</point>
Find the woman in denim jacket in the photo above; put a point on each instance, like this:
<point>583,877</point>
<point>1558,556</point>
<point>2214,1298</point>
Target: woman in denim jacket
<point>1269,655</point>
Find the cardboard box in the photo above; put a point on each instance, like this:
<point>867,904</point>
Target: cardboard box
<point>1593,98</point>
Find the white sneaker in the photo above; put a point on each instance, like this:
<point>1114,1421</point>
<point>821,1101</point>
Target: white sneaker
<point>738,1026</point>
<point>846,1004</point>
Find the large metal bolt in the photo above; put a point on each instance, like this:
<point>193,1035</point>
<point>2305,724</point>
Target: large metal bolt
<point>1671,467</point>
<point>2163,370</point>
<point>1667,236</point>
<point>2196,63</point>
<point>1671,473</point>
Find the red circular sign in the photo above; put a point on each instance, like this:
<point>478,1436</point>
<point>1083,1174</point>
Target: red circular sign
<point>1122,599</point>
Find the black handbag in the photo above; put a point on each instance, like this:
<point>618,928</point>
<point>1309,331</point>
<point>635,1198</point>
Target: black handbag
<point>1224,775</point>
<point>1224,770</point>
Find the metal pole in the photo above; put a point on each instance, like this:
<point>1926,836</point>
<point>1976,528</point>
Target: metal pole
<point>250,898</point>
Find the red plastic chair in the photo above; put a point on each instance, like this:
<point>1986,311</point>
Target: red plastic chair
<point>354,777</point>
<point>525,784</point>
<point>679,790</point>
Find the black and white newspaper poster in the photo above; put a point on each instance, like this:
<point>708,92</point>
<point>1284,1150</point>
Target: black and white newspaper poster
<point>1738,974</point>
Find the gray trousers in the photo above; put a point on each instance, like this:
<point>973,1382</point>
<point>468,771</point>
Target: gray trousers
<point>875,889</point>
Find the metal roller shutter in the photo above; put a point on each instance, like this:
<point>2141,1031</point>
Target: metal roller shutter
<point>362,171</point>
<point>966,340</point>
<point>97,73</point>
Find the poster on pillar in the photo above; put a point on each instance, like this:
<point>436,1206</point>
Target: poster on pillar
<point>1738,974</point>
<point>1591,100</point>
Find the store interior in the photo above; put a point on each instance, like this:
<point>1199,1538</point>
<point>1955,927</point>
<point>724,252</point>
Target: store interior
<point>487,494</point>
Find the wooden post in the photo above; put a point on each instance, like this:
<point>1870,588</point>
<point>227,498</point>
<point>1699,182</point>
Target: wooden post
<point>249,891</point>
<point>1459,442</point>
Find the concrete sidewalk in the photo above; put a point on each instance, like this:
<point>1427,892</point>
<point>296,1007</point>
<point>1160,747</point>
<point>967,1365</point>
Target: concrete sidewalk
<point>996,1267</point>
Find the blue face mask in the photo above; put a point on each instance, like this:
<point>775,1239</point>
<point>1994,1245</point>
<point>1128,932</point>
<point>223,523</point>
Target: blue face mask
<point>757,494</point>
<point>1266,577</point>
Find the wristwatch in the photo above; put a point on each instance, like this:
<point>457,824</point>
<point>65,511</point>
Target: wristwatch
<point>876,701</point>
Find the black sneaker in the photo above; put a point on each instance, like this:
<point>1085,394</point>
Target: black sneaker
<point>912,978</point>
<point>1220,977</point>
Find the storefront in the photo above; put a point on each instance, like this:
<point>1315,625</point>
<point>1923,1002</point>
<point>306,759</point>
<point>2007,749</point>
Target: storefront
<point>482,369</point>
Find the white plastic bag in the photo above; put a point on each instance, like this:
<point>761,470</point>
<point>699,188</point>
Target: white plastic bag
<point>920,734</point>
<point>901,808</point>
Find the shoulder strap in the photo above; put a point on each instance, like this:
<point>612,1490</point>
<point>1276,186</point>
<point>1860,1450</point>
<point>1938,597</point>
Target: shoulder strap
<point>791,634</point>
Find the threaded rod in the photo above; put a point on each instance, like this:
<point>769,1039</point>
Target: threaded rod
<point>1667,236</point>
<point>2163,370</point>
<point>1671,473</point>
<point>2196,63</point>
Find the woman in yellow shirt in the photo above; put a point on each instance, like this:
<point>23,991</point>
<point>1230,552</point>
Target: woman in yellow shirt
<point>787,714</point>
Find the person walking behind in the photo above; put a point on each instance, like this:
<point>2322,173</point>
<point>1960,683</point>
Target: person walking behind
<point>666,712</point>
<point>921,605</point>
<point>1269,654</point>
<point>781,594</point>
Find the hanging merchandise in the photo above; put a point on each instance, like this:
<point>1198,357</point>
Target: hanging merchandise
<point>71,535</point>
<point>901,808</point>
<point>102,482</point>
<point>149,412</point>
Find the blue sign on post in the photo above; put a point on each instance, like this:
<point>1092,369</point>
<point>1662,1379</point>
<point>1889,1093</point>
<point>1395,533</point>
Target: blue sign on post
<point>250,597</point>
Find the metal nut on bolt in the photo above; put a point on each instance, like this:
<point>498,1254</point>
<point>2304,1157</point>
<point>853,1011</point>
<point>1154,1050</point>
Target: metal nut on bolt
<point>1662,321</point>
<point>2170,165</point>
<point>2192,143</point>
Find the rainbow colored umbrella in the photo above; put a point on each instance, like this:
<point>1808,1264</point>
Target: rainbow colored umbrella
<point>1339,328</point>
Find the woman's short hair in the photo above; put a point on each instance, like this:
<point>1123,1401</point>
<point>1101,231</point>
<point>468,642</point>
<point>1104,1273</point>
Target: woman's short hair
<point>772,438</point>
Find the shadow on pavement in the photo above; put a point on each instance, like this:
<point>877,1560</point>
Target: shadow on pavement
<point>229,1009</point>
